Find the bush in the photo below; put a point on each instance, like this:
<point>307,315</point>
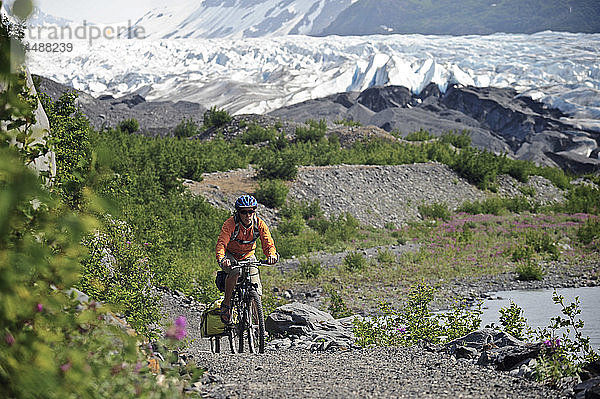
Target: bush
<point>186,128</point>
<point>529,270</point>
<point>337,307</point>
<point>459,141</point>
<point>258,134</point>
<point>314,132</point>
<point>272,193</point>
<point>583,199</point>
<point>522,253</point>
<point>273,166</point>
<point>54,346</point>
<point>589,232</point>
<point>310,268</point>
<point>414,321</point>
<point>291,226</point>
<point>541,242</point>
<point>118,271</point>
<point>348,122</point>
<point>216,118</point>
<point>355,261</point>
<point>421,135</point>
<point>435,211</point>
<point>342,228</point>
<point>386,257</point>
<point>513,322</point>
<point>70,141</point>
<point>129,126</point>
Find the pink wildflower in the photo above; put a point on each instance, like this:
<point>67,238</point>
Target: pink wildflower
<point>39,307</point>
<point>178,331</point>
<point>65,367</point>
<point>10,340</point>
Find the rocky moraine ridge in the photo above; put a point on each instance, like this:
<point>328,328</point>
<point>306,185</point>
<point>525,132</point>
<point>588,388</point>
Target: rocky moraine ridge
<point>497,119</point>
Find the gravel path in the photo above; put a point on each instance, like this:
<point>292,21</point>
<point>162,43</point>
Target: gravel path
<point>377,372</point>
<point>370,373</point>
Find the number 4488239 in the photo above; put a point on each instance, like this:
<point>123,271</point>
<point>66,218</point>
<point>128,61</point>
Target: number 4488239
<point>49,47</point>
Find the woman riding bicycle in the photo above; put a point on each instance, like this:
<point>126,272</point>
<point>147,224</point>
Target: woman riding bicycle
<point>237,241</point>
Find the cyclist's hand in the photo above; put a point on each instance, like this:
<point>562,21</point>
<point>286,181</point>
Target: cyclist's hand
<point>272,259</point>
<point>226,263</point>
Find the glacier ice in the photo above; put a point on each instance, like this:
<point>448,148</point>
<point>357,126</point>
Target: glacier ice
<point>259,75</point>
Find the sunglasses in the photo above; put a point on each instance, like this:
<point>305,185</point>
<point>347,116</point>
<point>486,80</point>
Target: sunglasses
<point>248,212</point>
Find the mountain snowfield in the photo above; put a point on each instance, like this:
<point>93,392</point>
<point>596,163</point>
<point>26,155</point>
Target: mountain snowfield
<point>191,19</point>
<point>254,75</point>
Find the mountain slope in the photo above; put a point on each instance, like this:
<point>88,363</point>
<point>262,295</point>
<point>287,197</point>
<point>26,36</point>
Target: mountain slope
<point>467,17</point>
<point>240,18</point>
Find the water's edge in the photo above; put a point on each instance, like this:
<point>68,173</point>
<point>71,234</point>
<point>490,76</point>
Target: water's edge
<point>538,307</point>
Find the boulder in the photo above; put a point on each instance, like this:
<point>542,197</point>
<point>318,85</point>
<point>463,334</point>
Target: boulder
<point>305,327</point>
<point>497,348</point>
<point>588,389</point>
<point>297,319</point>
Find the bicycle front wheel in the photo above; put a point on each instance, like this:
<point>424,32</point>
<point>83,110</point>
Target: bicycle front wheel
<point>256,326</point>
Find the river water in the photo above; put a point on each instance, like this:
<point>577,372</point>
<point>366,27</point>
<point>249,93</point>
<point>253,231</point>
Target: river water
<point>538,308</point>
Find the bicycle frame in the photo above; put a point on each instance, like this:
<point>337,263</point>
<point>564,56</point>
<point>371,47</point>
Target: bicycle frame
<point>247,302</point>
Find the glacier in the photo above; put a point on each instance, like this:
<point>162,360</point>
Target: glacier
<point>258,75</point>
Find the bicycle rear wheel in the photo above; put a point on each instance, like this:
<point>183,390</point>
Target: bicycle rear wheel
<point>255,328</point>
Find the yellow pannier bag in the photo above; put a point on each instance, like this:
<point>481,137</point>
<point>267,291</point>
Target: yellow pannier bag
<point>210,322</point>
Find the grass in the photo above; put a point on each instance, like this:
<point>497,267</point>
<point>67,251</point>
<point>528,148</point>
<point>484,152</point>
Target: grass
<point>463,246</point>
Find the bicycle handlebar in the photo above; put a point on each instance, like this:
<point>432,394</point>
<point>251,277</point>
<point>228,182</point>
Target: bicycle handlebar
<point>236,264</point>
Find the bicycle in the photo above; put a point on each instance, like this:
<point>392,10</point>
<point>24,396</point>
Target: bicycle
<point>247,316</point>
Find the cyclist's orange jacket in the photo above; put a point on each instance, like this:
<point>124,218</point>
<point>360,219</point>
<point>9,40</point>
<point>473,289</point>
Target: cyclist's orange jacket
<point>243,251</point>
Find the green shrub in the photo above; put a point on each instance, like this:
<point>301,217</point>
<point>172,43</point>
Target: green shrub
<point>513,322</point>
<point>460,319</point>
<point>310,268</point>
<point>529,270</point>
<point>118,271</point>
<point>186,128</point>
<point>499,206</point>
<point>70,141</point>
<point>541,242</point>
<point>420,135</point>
<point>389,226</point>
<point>342,228</point>
<point>273,166</point>
<point>319,224</point>
<point>129,126</point>
<point>272,193</point>
<point>435,211</point>
<point>583,199</point>
<point>414,321</point>
<point>348,122</point>
<point>337,307</point>
<point>308,210</point>
<point>355,261</point>
<point>314,132</point>
<point>523,252</point>
<point>527,191</point>
<point>386,256</point>
<point>258,134</point>
<point>54,346</point>
<point>459,141</point>
<point>590,232</point>
<point>216,118</point>
<point>519,169</point>
<point>291,226</point>
<point>296,245</point>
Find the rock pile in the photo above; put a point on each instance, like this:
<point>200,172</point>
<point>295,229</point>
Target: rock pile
<point>300,326</point>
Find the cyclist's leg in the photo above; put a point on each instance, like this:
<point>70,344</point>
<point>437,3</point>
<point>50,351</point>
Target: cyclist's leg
<point>255,276</point>
<point>230,281</point>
